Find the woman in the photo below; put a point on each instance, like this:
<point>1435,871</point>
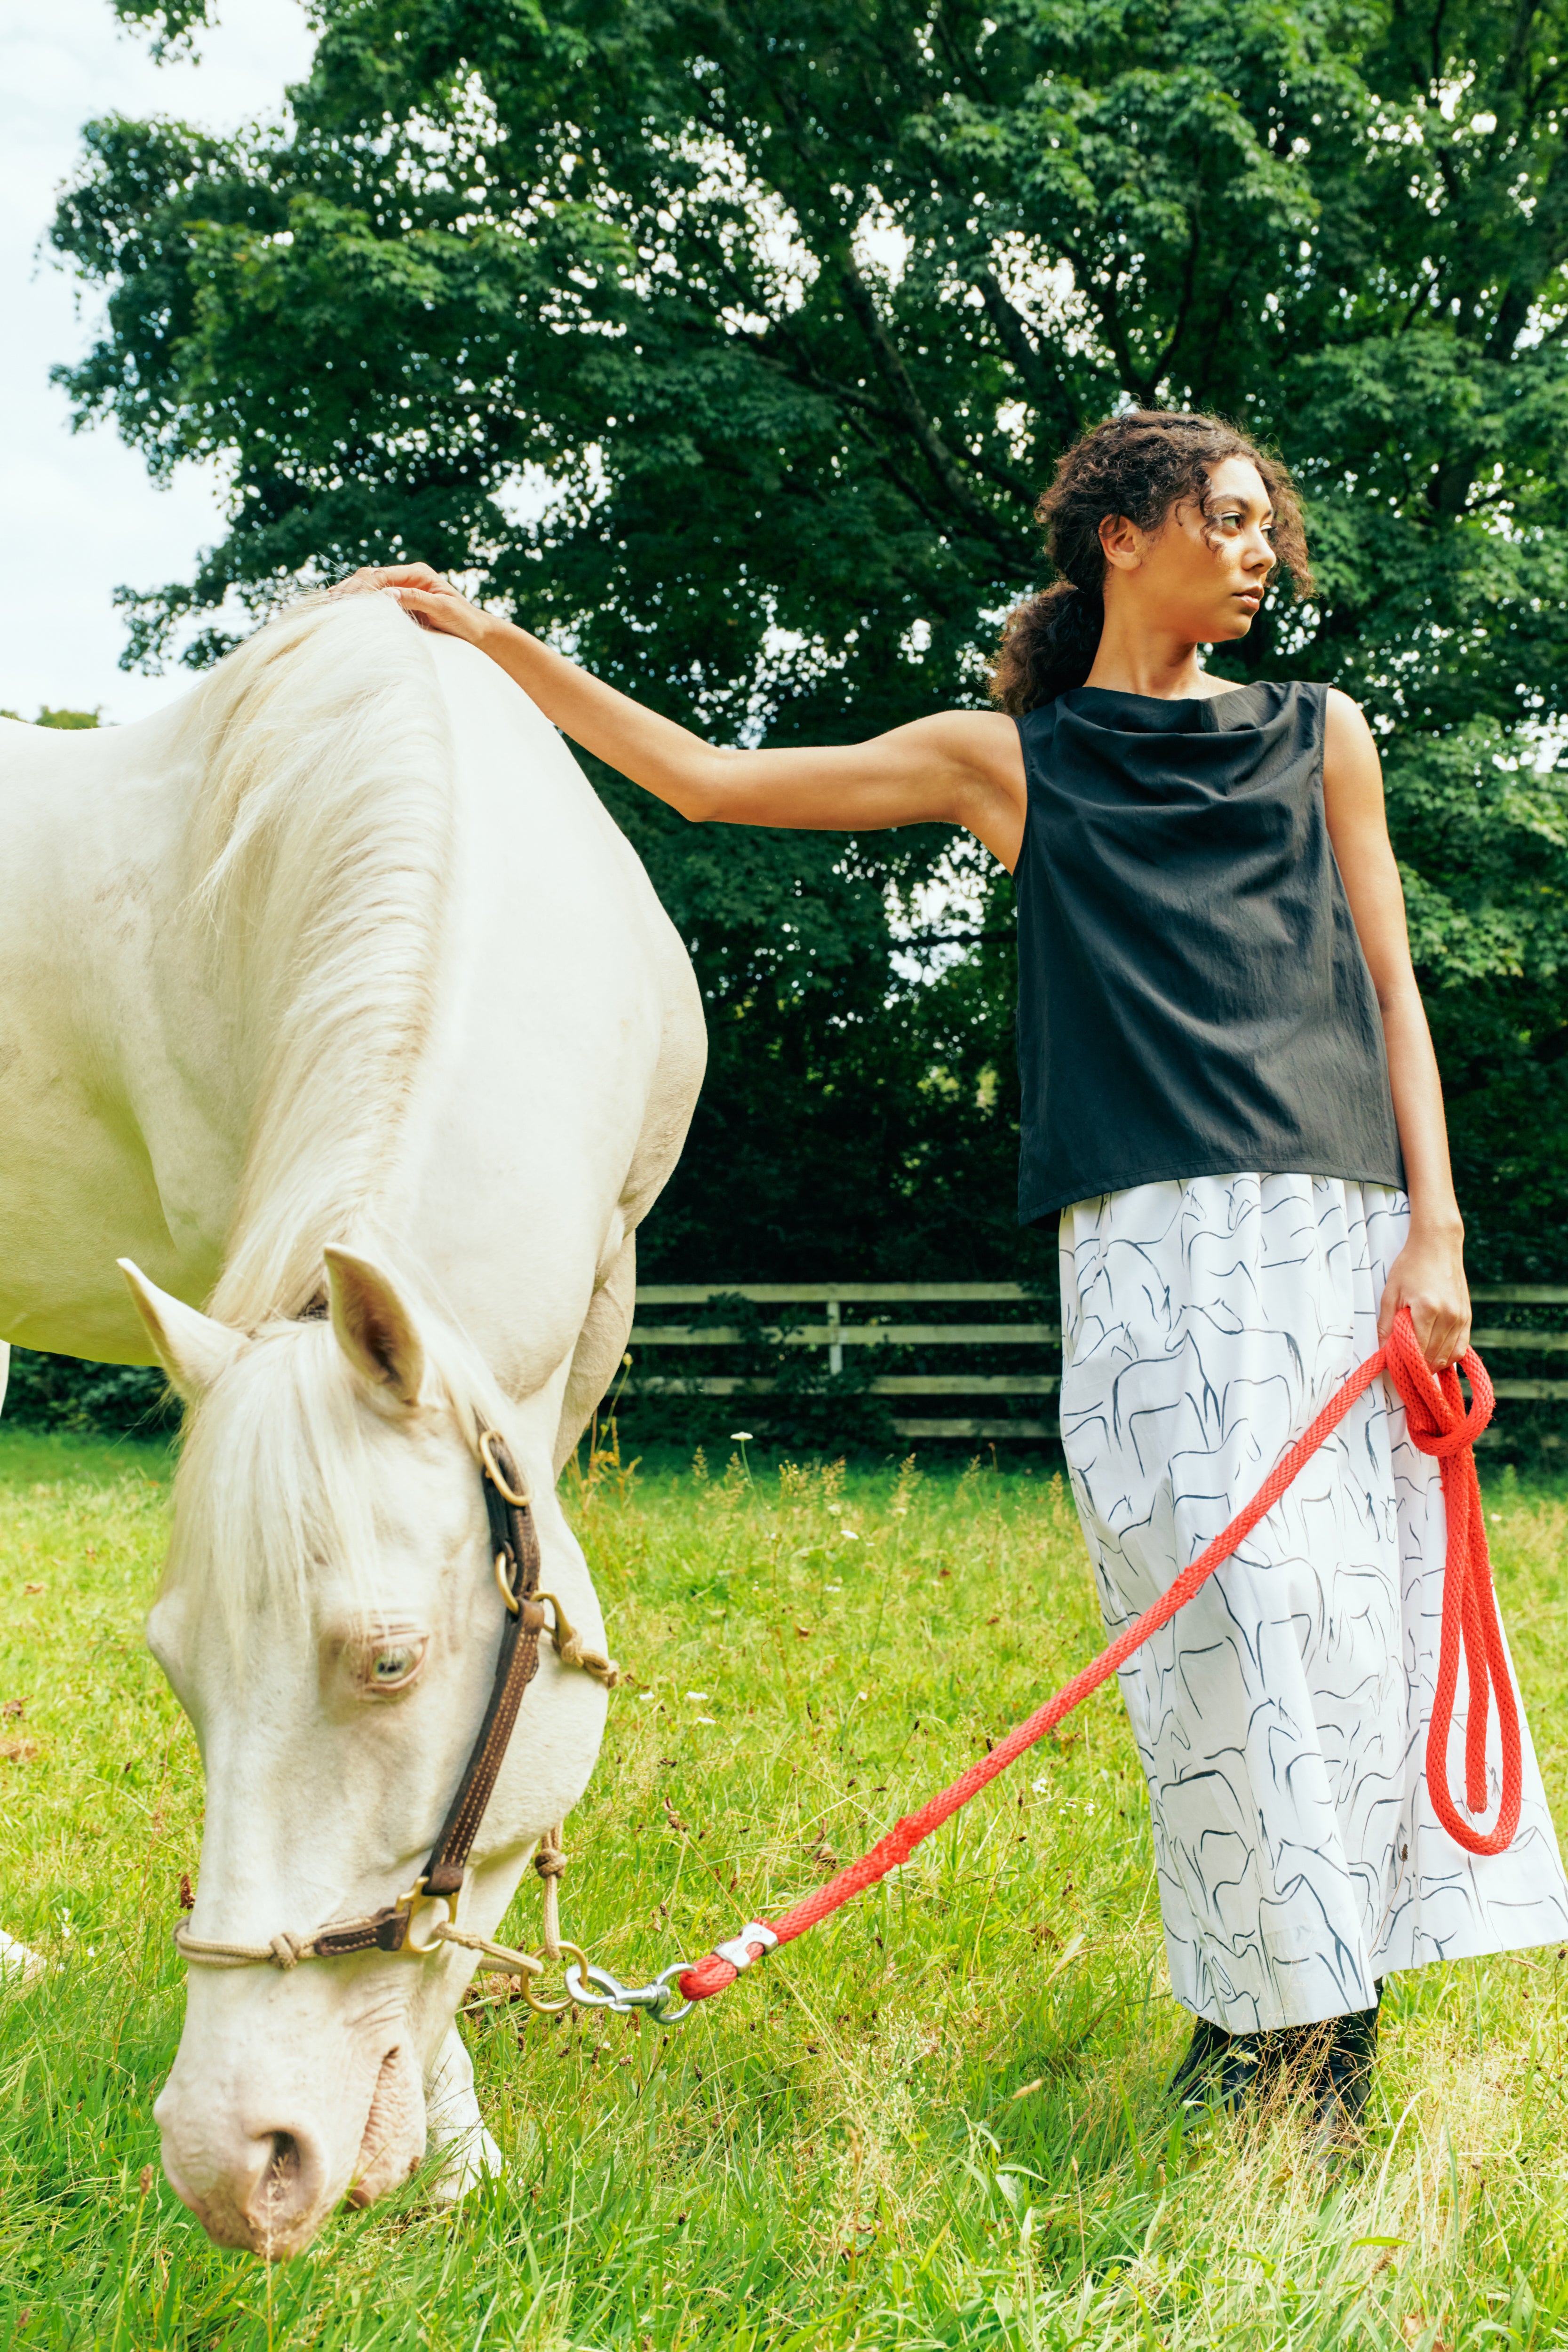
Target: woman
<point>1232,1107</point>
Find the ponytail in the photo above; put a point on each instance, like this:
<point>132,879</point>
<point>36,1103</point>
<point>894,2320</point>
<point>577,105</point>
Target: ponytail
<point>1048,647</point>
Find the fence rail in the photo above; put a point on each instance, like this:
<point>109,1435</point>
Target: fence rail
<point>832,1334</point>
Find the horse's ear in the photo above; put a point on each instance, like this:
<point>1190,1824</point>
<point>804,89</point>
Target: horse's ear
<point>374,1329</point>
<point>191,1348</point>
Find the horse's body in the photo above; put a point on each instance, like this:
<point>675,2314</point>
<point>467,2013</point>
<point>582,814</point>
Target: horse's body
<point>341,949</point>
<point>510,1087</point>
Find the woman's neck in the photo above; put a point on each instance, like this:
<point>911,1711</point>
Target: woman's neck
<point>1138,661</point>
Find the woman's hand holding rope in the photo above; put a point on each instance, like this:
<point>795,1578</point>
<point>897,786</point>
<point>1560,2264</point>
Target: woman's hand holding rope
<point>1428,1278</point>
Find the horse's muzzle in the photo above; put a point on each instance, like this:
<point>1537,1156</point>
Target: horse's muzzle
<point>264,2173</point>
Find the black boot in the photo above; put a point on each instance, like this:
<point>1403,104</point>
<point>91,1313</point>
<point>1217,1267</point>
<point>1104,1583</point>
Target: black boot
<point>1219,2069</point>
<point>1344,2074</point>
<point>1340,2082</point>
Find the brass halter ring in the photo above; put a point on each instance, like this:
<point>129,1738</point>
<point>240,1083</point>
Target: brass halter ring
<point>508,1494</point>
<point>555,2007</point>
<point>418,1901</point>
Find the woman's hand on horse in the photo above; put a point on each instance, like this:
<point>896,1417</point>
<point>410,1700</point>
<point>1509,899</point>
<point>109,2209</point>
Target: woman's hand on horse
<point>426,595</point>
<point>1428,1276</point>
<point>957,767</point>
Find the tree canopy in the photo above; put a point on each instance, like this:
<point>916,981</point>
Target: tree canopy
<point>730,344</point>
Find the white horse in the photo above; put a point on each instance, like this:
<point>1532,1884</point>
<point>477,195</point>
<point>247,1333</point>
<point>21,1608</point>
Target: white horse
<point>340,950</point>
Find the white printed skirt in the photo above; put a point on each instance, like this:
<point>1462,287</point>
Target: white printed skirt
<point>1281,1716</point>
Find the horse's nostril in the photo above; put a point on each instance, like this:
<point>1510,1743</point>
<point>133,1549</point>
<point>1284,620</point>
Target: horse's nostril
<point>283,2189</point>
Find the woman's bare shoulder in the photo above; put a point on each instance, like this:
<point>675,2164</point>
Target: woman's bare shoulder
<point>1344,710</point>
<point>1348,743</point>
<point>983,741</point>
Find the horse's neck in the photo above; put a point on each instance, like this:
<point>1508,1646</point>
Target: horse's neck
<point>502,1180</point>
<point>120,1100</point>
<point>566,1042</point>
<point>495,1071</point>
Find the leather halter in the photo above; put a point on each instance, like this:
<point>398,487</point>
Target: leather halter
<point>514,1548</point>
<point>514,1553</point>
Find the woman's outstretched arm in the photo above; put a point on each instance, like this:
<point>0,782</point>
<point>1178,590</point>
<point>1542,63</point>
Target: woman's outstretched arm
<point>958,767</point>
<point>1428,1275</point>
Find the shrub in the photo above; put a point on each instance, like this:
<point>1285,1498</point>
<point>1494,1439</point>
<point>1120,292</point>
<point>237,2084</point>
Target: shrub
<point>95,1399</point>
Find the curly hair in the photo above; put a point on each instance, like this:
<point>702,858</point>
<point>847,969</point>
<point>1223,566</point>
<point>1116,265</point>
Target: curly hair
<point>1140,465</point>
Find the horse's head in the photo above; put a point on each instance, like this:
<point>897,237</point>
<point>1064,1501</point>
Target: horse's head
<point>330,1618</point>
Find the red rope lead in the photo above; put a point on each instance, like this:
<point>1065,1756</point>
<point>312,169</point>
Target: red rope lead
<point>1439,1425</point>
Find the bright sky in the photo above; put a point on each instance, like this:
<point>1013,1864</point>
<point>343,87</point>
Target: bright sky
<point>80,515</point>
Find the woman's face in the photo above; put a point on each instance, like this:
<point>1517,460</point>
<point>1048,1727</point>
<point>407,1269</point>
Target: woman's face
<point>1201,576</point>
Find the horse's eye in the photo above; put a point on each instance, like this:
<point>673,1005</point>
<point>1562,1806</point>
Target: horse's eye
<point>393,1663</point>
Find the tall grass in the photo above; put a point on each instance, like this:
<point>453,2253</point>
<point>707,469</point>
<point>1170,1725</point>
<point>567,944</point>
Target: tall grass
<point>939,2121</point>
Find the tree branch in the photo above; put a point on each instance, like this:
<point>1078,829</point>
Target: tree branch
<point>932,447</point>
<point>897,477</point>
<point>1184,313</point>
<point>1016,338</point>
<point>1542,254</point>
<point>1104,300</point>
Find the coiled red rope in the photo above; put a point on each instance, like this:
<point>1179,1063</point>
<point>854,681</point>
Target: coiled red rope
<point>1439,1425</point>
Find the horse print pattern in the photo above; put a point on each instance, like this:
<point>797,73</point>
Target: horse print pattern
<point>1281,1717</point>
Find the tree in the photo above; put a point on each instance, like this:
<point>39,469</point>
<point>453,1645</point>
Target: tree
<point>67,718</point>
<point>730,343</point>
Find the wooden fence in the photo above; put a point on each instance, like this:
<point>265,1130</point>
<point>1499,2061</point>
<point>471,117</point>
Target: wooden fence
<point>1034,1348</point>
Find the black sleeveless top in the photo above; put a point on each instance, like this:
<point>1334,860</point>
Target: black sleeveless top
<point>1193,1000</point>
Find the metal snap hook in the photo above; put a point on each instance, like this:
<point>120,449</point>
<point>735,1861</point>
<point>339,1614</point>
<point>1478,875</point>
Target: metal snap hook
<point>608,1992</point>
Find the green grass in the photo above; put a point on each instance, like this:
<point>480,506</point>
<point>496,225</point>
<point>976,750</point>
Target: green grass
<point>939,2121</point>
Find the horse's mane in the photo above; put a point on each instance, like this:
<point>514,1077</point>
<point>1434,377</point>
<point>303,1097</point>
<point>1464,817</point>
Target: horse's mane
<point>320,844</point>
<point>320,866</point>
